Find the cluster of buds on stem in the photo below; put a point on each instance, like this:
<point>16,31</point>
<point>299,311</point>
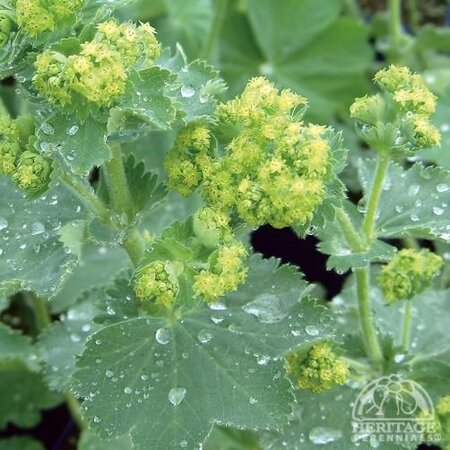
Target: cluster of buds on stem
<point>30,170</point>
<point>319,370</point>
<point>397,120</point>
<point>409,272</point>
<point>98,72</point>
<point>264,163</point>
<point>213,265</point>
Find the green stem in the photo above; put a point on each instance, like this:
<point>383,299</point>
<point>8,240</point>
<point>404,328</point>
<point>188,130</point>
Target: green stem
<point>214,31</point>
<point>413,14</point>
<point>356,365</point>
<point>43,320</point>
<point>135,246</point>
<point>406,331</point>
<point>370,338</point>
<point>374,198</point>
<point>395,29</point>
<point>87,196</point>
<point>351,235</point>
<point>116,181</point>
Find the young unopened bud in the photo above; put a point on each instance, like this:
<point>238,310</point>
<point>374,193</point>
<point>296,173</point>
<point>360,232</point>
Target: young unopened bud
<point>368,109</point>
<point>33,172</point>
<point>6,26</point>
<point>156,281</point>
<point>409,272</point>
<point>319,370</point>
<point>211,227</point>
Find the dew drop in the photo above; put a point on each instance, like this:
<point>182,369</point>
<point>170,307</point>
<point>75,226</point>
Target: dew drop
<point>413,189</point>
<point>204,336</point>
<point>72,131</point>
<point>176,395</point>
<point>37,228</point>
<point>47,129</point>
<point>442,187</point>
<point>438,211</point>
<point>128,390</point>
<point>262,360</point>
<point>312,330</point>
<point>109,373</point>
<point>267,308</point>
<point>183,443</point>
<point>163,336</point>
<point>187,91</point>
<point>3,223</point>
<point>324,435</point>
<point>96,419</point>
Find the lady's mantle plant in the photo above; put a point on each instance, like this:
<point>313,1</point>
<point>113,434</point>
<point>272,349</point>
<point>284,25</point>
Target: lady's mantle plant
<point>193,330</point>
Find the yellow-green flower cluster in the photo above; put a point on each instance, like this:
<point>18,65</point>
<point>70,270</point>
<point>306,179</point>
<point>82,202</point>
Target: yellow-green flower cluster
<point>443,416</point>
<point>38,16</point>
<point>405,108</point>
<point>98,73</point>
<point>409,273</point>
<point>131,41</point>
<point>227,271</point>
<point>319,370</point>
<point>33,172</point>
<point>270,166</point>
<point>10,147</point>
<point>155,281</point>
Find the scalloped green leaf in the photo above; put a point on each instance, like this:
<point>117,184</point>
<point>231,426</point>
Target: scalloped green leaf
<point>207,365</point>
<point>413,202</point>
<point>32,256</point>
<point>82,145</point>
<point>342,258</point>
<point>26,392</point>
<point>90,441</point>
<point>199,85</point>
<point>325,62</point>
<point>62,341</point>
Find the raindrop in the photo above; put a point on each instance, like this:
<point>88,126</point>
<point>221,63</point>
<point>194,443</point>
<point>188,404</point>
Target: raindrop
<point>37,228</point>
<point>3,223</point>
<point>128,390</point>
<point>183,443</point>
<point>72,130</point>
<point>47,128</point>
<point>312,330</point>
<point>187,91</point>
<point>324,435</point>
<point>163,336</point>
<point>442,187</point>
<point>399,357</point>
<point>262,360</point>
<point>267,308</point>
<point>109,373</point>
<point>414,217</point>
<point>97,419</point>
<point>252,401</point>
<point>413,189</point>
<point>204,336</point>
<point>438,211</point>
<point>176,395</point>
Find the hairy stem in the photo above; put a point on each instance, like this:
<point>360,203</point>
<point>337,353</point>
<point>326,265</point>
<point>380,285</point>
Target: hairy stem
<point>87,196</point>
<point>135,246</point>
<point>116,181</point>
<point>43,320</point>
<point>370,338</point>
<point>216,26</point>
<point>351,235</point>
<point>374,198</point>
<point>395,29</point>
<point>406,331</point>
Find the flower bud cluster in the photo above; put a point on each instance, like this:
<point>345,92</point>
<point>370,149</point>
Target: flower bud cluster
<point>213,265</point>
<point>30,170</point>
<point>398,120</point>
<point>98,72</point>
<point>409,272</point>
<point>268,167</point>
<point>319,370</point>
<point>155,281</point>
<point>38,16</point>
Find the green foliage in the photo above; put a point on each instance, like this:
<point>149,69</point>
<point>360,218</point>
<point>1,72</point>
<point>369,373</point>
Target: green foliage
<point>141,143</point>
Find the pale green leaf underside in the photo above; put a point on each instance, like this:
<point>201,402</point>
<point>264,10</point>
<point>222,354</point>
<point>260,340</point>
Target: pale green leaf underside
<point>413,202</point>
<point>221,365</point>
<point>31,254</point>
